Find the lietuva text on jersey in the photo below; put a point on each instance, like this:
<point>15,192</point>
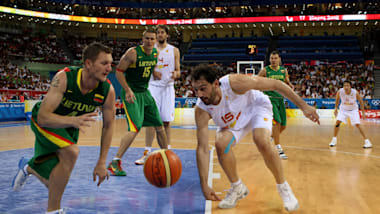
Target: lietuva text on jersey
<point>77,106</point>
<point>147,63</point>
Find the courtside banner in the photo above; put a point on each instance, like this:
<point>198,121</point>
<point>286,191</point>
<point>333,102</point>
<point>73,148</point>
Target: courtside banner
<point>12,111</point>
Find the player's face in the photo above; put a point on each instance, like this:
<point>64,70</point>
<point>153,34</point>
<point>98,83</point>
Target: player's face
<point>162,36</point>
<point>275,59</point>
<point>101,67</point>
<point>149,39</point>
<point>205,91</point>
<point>346,86</point>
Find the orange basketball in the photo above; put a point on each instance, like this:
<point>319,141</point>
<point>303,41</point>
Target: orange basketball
<point>163,168</point>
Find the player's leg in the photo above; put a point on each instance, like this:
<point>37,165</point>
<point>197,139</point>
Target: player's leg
<point>342,117</point>
<point>60,175</point>
<point>276,128</point>
<point>261,125</point>
<point>152,118</point>
<point>150,133</point>
<point>162,140</point>
<point>224,141</point>
<point>157,95</point>
<point>167,110</point>
<point>355,120</point>
<point>134,113</point>
<point>261,136</point>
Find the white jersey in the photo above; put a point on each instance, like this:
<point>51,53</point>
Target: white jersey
<point>235,111</point>
<point>348,101</point>
<point>165,65</point>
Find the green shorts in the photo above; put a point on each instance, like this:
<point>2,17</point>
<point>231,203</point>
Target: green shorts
<point>143,112</point>
<point>279,111</point>
<point>48,142</point>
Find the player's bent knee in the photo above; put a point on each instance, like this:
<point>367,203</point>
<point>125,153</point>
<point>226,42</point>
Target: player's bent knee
<point>69,153</point>
<point>220,147</point>
<point>337,125</point>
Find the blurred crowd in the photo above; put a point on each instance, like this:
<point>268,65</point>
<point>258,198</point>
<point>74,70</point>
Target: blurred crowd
<point>22,79</point>
<point>324,80</point>
<point>32,47</point>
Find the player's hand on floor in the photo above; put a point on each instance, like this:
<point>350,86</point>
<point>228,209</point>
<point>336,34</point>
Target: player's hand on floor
<point>210,194</point>
<point>100,171</point>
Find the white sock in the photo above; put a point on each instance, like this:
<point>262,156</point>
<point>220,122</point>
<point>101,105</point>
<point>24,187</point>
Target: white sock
<point>278,146</point>
<point>25,169</point>
<point>149,149</point>
<point>115,158</point>
<point>334,138</point>
<point>55,211</point>
<point>169,147</point>
<point>281,185</point>
<point>236,183</point>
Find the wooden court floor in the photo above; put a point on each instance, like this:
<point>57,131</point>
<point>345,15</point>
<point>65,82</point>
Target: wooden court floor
<point>344,179</point>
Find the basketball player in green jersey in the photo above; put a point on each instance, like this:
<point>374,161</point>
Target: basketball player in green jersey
<point>136,66</point>
<point>275,71</point>
<point>68,108</point>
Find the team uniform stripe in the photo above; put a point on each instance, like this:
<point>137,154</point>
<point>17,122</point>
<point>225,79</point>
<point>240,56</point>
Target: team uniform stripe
<point>167,167</point>
<point>99,96</point>
<point>53,137</point>
<point>131,125</point>
<point>79,77</point>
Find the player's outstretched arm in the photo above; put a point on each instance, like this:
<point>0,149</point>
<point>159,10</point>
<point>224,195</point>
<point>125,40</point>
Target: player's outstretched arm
<point>46,116</point>
<point>106,138</point>
<point>240,84</point>
<point>203,155</point>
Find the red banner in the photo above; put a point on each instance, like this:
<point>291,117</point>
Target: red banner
<point>371,114</point>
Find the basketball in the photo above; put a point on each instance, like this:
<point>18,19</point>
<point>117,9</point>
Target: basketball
<point>163,168</point>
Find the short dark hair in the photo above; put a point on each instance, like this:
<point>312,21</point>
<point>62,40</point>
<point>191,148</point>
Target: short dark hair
<point>347,81</point>
<point>92,51</point>
<point>166,28</point>
<point>205,71</point>
<point>149,30</point>
<point>275,52</point>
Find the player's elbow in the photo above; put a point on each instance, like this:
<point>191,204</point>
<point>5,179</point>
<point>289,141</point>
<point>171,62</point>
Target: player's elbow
<point>42,118</point>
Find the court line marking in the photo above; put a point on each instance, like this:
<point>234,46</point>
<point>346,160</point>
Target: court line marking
<point>208,206</point>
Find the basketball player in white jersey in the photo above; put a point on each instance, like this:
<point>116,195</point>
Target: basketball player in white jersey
<point>237,106</point>
<point>349,109</point>
<point>162,88</point>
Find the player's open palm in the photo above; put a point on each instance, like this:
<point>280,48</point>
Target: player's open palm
<point>311,113</point>
<point>85,120</point>
<point>210,194</point>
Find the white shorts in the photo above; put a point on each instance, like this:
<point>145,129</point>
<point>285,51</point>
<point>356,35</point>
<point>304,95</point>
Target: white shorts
<point>261,118</point>
<point>353,115</point>
<point>165,100</point>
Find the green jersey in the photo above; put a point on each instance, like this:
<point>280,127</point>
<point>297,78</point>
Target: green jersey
<point>280,74</point>
<point>138,74</point>
<point>74,103</point>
